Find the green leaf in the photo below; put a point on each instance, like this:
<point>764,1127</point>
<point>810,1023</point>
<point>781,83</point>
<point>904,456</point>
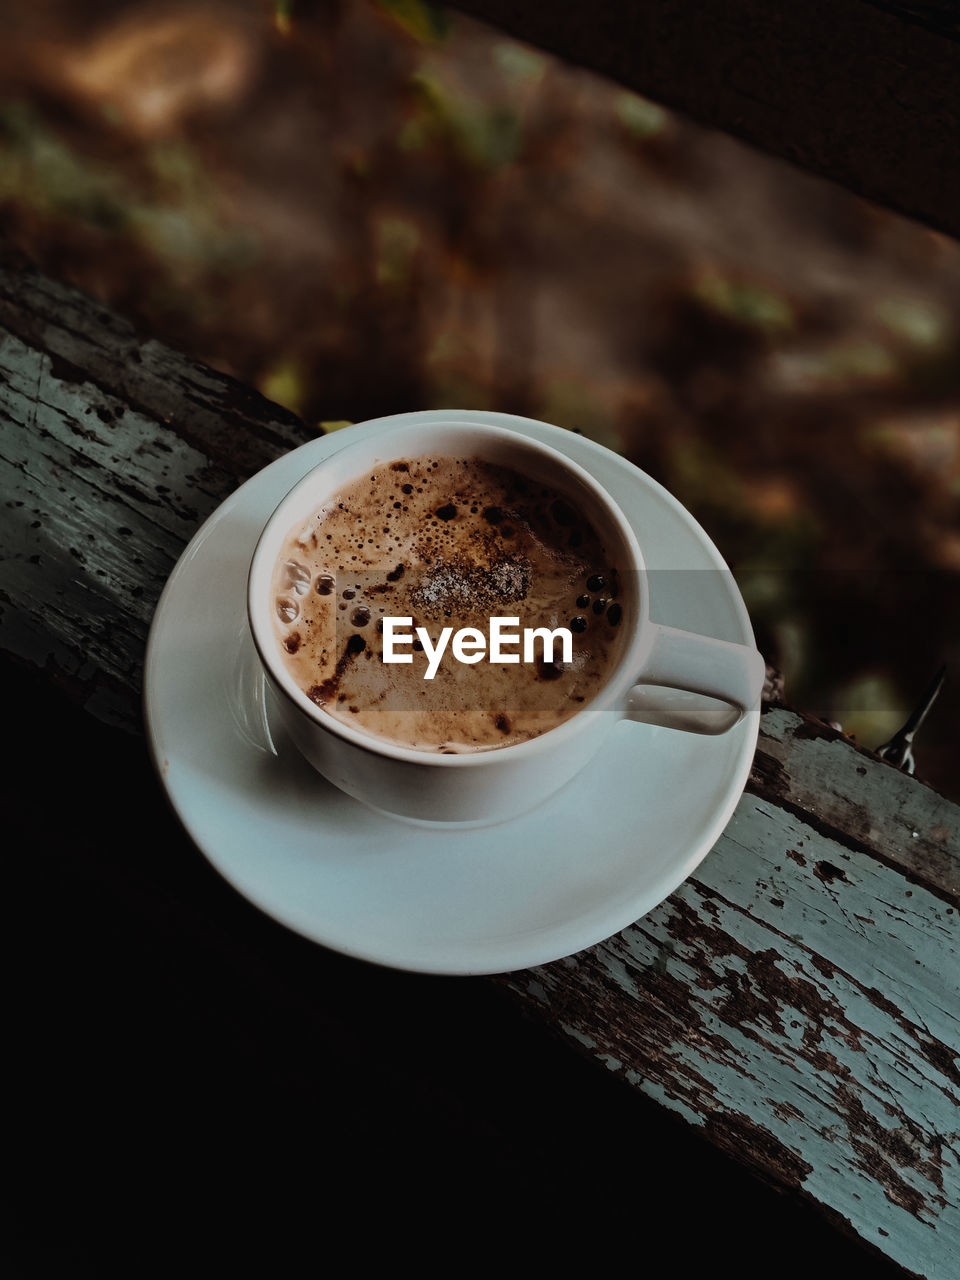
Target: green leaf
<point>487,137</point>
<point>641,118</point>
<point>283,16</point>
<point>398,240</point>
<point>284,383</point>
<point>748,301</point>
<point>426,22</point>
<point>919,321</point>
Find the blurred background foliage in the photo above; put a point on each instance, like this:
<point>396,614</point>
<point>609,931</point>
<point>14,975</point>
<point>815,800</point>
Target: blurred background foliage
<point>368,206</point>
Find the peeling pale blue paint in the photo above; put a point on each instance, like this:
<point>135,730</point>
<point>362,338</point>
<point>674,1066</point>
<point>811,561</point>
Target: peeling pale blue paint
<point>841,1077</point>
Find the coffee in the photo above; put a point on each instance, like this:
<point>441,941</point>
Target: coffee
<point>401,560</point>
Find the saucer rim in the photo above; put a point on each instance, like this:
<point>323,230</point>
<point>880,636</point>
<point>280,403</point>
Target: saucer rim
<point>523,950</point>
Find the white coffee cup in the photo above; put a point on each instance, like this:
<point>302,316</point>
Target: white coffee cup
<point>489,786</point>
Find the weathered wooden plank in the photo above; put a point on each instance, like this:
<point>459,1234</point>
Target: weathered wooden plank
<point>855,797</point>
<point>796,999</point>
<point>235,427</point>
<point>113,451</point>
<point>865,94</point>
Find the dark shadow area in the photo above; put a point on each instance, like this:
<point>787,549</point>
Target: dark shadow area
<point>194,1082</point>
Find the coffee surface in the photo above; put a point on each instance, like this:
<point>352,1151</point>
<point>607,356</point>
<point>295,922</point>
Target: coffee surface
<point>446,542</point>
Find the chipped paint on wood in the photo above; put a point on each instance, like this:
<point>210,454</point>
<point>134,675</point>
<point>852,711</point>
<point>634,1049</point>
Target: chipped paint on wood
<point>234,426</point>
<point>112,453</point>
<point>858,798</point>
<point>797,999</point>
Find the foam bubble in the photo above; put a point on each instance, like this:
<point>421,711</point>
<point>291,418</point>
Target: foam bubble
<point>296,577</point>
<point>287,609</point>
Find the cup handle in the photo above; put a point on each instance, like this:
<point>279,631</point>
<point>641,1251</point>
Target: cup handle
<point>695,683</point>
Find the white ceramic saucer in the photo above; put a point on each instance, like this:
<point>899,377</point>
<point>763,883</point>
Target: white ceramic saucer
<point>614,843</point>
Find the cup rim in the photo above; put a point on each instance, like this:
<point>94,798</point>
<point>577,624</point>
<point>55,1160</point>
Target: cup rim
<point>264,557</point>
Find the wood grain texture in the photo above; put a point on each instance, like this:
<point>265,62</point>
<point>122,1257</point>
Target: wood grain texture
<point>867,95</point>
<point>858,800</point>
<point>796,1000</point>
<point>113,451</point>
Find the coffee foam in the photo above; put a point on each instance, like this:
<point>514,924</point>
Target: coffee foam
<point>447,542</point>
